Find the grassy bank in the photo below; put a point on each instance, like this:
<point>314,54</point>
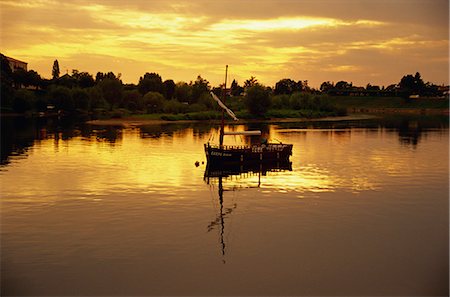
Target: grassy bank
<point>353,103</point>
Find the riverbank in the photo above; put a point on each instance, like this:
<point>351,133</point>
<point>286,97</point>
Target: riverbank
<point>135,121</point>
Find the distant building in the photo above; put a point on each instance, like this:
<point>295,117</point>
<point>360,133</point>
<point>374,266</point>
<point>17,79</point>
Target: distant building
<point>444,90</point>
<point>16,64</point>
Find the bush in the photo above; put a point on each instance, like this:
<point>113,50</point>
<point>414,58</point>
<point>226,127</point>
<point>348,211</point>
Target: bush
<point>96,99</point>
<point>23,101</point>
<point>174,106</point>
<point>61,97</point>
<point>132,100</point>
<point>280,101</point>
<point>81,99</point>
<point>257,100</point>
<point>153,102</point>
<point>196,107</point>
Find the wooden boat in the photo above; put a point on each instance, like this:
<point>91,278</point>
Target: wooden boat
<point>263,152</point>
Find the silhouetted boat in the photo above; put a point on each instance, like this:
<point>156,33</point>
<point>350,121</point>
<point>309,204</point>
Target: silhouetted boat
<point>265,151</point>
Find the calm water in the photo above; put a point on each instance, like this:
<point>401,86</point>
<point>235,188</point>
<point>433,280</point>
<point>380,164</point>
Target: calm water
<point>91,210</point>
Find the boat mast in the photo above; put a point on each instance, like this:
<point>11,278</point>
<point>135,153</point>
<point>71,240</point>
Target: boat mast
<point>224,90</point>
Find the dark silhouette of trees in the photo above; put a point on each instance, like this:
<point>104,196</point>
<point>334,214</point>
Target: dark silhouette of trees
<point>83,79</point>
<point>252,81</point>
<point>55,70</point>
<point>154,102</point>
<point>257,100</point>
<point>199,87</point>
<point>343,85</point>
<point>150,82</point>
<point>112,90</point>
<point>80,99</point>
<point>6,84</point>
<point>326,86</point>
<point>23,101</point>
<point>288,86</point>
<point>132,100</point>
<point>410,85</point>
<point>169,89</point>
<point>79,92</point>
<point>235,89</point>
<point>183,92</point>
<point>61,97</point>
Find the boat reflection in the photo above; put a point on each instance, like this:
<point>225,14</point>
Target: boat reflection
<point>215,174</point>
<point>228,170</point>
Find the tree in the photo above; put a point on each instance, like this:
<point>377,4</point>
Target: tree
<point>23,100</point>
<point>326,86</point>
<point>183,92</point>
<point>83,79</point>
<point>6,81</point>
<point>235,89</point>
<point>410,84</point>
<point>252,81</point>
<point>154,102</point>
<point>343,85</point>
<point>257,100</point>
<point>151,82</point>
<point>112,90</point>
<point>169,89</point>
<point>81,99</point>
<point>132,100</point>
<point>288,86</point>
<point>369,87</point>
<point>61,97</point>
<point>55,70</point>
<point>199,87</point>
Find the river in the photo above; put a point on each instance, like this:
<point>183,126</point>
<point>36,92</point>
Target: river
<point>89,210</point>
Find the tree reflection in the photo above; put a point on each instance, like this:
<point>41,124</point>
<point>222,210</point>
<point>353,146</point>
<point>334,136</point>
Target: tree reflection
<point>18,134</point>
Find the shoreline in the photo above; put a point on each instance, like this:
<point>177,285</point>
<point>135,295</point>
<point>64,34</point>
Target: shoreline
<point>136,122</point>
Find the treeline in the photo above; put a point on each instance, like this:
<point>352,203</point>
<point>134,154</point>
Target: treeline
<point>25,91</point>
<point>409,85</point>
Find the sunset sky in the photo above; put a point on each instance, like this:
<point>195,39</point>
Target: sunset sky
<point>360,41</point>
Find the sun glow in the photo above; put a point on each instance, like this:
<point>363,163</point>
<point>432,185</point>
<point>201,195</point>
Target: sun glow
<point>183,39</point>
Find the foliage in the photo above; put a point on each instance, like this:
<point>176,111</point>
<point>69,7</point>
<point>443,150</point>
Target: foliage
<point>175,107</point>
<point>55,70</point>
<point>183,92</point>
<point>23,101</point>
<point>151,82</point>
<point>252,81</point>
<point>61,97</point>
<point>153,102</point>
<point>112,91</point>
<point>169,89</point>
<point>326,86</point>
<point>81,99</point>
<point>199,87</point>
<point>96,99</point>
<point>257,100</point>
<point>287,86</point>
<point>83,79</point>
<point>235,89</point>
<point>25,78</point>
<point>206,100</point>
<point>6,87</point>
<point>132,100</point>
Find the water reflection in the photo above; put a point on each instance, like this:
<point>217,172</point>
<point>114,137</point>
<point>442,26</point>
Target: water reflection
<point>131,203</point>
<point>235,175</point>
<point>20,133</point>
